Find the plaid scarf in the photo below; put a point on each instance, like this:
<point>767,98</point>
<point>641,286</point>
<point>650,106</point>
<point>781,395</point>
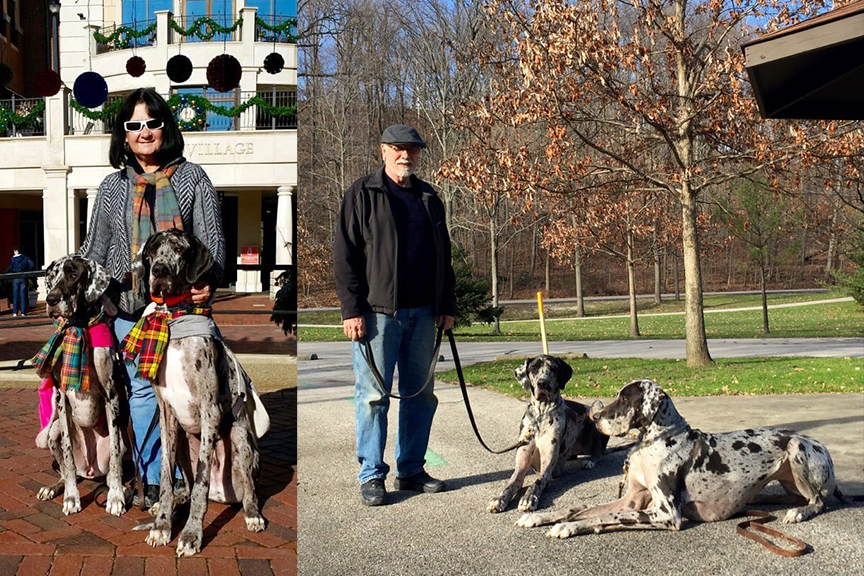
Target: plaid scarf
<point>148,340</point>
<point>72,349</point>
<point>166,212</point>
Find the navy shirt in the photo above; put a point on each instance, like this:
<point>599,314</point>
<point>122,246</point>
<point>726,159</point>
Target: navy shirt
<point>416,253</point>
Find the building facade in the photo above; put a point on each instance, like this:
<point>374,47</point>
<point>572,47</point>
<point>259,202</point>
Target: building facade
<point>52,165</point>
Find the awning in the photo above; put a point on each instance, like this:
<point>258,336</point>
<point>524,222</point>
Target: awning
<point>813,69</point>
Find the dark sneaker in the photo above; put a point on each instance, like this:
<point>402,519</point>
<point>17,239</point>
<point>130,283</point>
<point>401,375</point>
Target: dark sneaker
<point>151,495</point>
<point>420,482</point>
<point>373,493</point>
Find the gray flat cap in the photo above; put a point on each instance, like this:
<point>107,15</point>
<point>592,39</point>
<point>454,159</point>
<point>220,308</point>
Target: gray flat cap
<point>402,134</point>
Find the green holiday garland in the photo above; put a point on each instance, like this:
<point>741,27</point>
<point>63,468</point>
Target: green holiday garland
<point>204,28</point>
<point>201,103</point>
<point>10,117</point>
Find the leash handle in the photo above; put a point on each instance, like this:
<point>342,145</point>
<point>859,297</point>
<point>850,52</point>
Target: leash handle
<point>758,525</point>
<point>370,361</point>
<point>464,389</point>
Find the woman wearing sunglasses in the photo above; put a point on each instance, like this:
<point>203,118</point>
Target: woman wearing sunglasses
<point>154,189</point>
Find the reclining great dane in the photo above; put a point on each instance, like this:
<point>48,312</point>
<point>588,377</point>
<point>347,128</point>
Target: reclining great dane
<point>84,431</point>
<point>678,472</point>
<point>202,415</point>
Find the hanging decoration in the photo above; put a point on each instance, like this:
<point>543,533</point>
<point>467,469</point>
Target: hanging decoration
<point>274,63</point>
<point>123,36</point>
<point>179,68</point>
<point>5,74</point>
<point>285,28</point>
<point>110,110</point>
<point>223,73</point>
<point>8,116</point>
<point>90,89</point>
<point>190,111</point>
<point>136,66</point>
<point>47,83</point>
<point>205,28</point>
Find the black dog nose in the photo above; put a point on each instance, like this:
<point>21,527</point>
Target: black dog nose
<point>52,299</point>
<point>159,270</point>
<point>596,417</point>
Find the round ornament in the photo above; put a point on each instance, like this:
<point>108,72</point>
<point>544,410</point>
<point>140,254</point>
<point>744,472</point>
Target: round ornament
<point>47,83</point>
<point>191,115</point>
<point>136,66</point>
<point>223,73</point>
<point>274,63</point>
<point>5,74</point>
<point>90,90</point>
<point>179,68</point>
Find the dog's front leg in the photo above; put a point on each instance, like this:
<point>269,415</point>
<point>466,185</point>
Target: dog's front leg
<point>524,455</point>
<point>190,539</point>
<point>663,516</point>
<point>116,502</point>
<point>54,443</point>
<point>244,462</point>
<point>548,445</point>
<point>169,429</point>
<point>63,450</point>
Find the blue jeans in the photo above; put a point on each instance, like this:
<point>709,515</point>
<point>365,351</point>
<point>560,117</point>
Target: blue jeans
<point>406,340</point>
<point>142,407</point>
<point>19,296</point>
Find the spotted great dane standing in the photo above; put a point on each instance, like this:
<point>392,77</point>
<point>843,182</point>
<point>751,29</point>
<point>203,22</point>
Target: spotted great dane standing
<point>201,422</point>
<point>84,432</point>
<point>677,472</point>
<point>553,430</point>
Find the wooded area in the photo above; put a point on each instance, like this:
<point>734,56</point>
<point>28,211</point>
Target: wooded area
<point>591,147</point>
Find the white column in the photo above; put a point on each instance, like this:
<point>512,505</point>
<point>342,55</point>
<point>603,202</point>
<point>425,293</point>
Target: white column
<point>55,217</point>
<point>163,39</point>
<point>72,215</point>
<point>249,77</point>
<point>285,225</point>
<point>91,203</point>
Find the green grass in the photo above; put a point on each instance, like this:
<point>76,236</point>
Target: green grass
<point>603,377</point>
<point>840,319</point>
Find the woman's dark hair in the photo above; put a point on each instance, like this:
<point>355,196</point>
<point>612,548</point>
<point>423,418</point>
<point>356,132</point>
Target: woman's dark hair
<point>172,138</point>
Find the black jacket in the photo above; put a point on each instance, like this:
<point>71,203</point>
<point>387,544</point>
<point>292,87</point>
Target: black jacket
<point>365,250</point>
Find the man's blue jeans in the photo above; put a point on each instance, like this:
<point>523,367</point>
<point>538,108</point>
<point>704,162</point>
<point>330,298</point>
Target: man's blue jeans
<point>19,296</point>
<point>142,407</point>
<point>407,340</point>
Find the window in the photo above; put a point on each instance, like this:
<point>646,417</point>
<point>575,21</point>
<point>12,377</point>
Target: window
<point>140,11</point>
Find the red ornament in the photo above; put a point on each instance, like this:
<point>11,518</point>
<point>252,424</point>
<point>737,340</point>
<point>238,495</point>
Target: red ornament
<point>136,66</point>
<point>223,73</point>
<point>47,83</point>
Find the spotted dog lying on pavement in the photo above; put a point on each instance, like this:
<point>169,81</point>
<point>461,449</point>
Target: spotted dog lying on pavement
<point>678,472</point>
<point>552,431</point>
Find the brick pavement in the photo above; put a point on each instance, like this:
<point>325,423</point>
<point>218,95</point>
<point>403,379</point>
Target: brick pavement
<point>37,539</point>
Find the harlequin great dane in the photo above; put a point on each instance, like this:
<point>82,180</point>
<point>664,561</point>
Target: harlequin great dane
<point>676,471</point>
<point>553,430</point>
<point>84,432</point>
<point>199,420</point>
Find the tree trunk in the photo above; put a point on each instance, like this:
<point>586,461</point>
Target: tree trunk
<point>764,299</point>
<point>631,281</point>
<point>548,262</point>
<point>493,252</point>
<point>832,249</point>
<point>658,276</point>
<point>511,274</point>
<point>677,279</point>
<point>580,297</point>
<point>697,341</point>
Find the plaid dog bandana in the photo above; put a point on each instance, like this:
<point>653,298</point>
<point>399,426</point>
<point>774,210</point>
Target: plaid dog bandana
<point>72,350</point>
<point>166,212</point>
<point>148,340</point>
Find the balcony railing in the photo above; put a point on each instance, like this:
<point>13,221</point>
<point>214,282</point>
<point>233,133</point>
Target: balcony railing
<point>31,108</point>
<point>128,35</point>
<point>198,30</point>
<point>256,118</point>
<point>264,24</point>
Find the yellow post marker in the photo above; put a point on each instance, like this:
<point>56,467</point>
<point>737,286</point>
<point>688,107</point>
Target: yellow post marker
<point>542,322</point>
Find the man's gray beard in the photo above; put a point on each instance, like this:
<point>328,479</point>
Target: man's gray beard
<point>404,172</point>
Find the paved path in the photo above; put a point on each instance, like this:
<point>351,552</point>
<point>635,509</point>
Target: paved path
<point>451,533</point>
<point>37,539</point>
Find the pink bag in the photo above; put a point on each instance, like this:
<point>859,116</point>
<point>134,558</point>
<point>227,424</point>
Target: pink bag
<point>46,389</point>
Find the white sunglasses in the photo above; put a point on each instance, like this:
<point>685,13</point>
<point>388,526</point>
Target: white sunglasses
<point>138,125</point>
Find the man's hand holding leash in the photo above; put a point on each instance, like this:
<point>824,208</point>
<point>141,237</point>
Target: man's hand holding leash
<point>354,328</point>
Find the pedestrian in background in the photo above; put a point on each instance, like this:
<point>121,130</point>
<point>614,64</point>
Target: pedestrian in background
<point>20,263</point>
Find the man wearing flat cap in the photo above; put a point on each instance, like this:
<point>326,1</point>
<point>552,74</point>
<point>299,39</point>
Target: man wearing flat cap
<point>395,284</point>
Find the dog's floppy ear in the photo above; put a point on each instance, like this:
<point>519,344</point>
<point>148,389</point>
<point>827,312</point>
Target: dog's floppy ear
<point>522,374</point>
<point>98,280</point>
<point>652,397</point>
<point>563,371</point>
<point>51,273</point>
<point>141,264</point>
<point>200,263</point>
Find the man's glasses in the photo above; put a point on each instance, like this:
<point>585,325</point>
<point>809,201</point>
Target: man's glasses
<point>138,125</point>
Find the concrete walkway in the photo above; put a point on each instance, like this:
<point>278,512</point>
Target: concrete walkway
<point>451,533</point>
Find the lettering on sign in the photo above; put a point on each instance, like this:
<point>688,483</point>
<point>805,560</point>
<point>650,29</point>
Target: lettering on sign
<point>221,149</point>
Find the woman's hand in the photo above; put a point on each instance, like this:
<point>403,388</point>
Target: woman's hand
<point>200,293</point>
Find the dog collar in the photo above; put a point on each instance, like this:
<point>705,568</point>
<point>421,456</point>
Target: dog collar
<point>170,301</point>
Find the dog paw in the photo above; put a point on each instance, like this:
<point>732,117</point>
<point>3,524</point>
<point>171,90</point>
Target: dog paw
<point>588,464</point>
<point>71,504</point>
<point>529,521</point>
<point>189,544</point>
<point>115,504</point>
<point>794,516</point>
<point>46,493</point>
<point>496,506</point>
<point>158,537</point>
<point>528,503</point>
<point>562,530</point>
<point>255,522</point>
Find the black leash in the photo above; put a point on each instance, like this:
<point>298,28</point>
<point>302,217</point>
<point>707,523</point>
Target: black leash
<point>429,377</point>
